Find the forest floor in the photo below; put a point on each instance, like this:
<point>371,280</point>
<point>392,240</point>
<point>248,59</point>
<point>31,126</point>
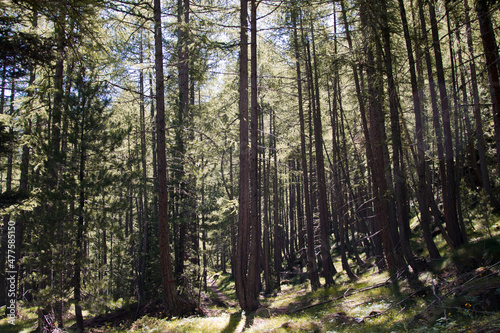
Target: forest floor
<point>459,293</point>
<point>439,302</point>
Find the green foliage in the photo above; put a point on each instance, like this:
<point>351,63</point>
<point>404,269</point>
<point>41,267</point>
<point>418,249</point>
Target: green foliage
<point>21,51</point>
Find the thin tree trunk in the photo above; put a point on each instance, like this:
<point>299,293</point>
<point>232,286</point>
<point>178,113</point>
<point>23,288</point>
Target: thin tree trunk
<point>253,281</point>
<point>143,243</point>
<point>402,210</point>
<point>450,188</point>
<point>338,193</point>
<point>80,227</point>
<point>277,237</point>
<point>311,258</point>
<point>485,179</point>
<point>376,238</point>
<point>422,195</point>
<point>435,121</point>
<point>328,269</point>
<point>266,244</point>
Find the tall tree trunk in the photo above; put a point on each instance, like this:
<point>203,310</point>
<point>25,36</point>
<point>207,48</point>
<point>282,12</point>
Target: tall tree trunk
<point>266,244</point>
<point>253,282</point>
<point>277,235</point>
<point>422,195</point>
<point>248,302</point>
<point>490,48</point>
<point>292,223</point>
<point>328,269</point>
<point>376,238</point>
<point>450,186</point>
<point>80,227</point>
<point>485,178</point>
<point>181,183</point>
<point>169,293</point>
<point>402,210</point>
<point>311,258</point>
<point>435,120</point>
<point>143,243</point>
<point>338,194</point>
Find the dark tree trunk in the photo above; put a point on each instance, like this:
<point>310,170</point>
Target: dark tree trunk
<point>328,269</point>
<point>402,210</point>
<point>435,120</point>
<point>490,48</point>
<point>449,183</point>
<point>276,220</point>
<point>376,238</point>
<point>169,292</point>
<point>80,228</point>
<point>311,258</point>
<point>485,179</point>
<point>422,195</point>
<point>242,266</point>
<point>143,242</point>
<point>253,282</point>
<point>266,244</point>
<point>340,216</point>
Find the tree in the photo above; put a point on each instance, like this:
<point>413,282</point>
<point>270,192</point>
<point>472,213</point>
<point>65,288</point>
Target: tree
<point>490,49</point>
<point>328,269</point>
<point>245,266</point>
<point>311,258</point>
<point>422,193</point>
<point>170,298</point>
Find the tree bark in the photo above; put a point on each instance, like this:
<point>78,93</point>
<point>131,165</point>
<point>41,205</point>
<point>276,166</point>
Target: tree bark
<point>450,186</point>
<point>169,292</point>
<point>490,48</point>
<point>253,282</point>
<point>481,150</point>
<point>328,269</point>
<point>277,228</point>
<point>422,194</point>
<point>311,258</point>
<point>375,238</point>
<point>248,302</point>
<point>80,228</point>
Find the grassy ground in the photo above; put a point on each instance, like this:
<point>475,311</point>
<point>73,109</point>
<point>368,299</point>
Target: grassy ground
<point>371,304</point>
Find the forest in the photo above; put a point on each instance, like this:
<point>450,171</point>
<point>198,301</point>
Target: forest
<point>251,165</point>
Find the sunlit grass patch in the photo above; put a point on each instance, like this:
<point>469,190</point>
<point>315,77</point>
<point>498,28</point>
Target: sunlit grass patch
<point>203,325</point>
<point>224,322</point>
<point>225,283</point>
<point>20,326</point>
<point>285,323</point>
<point>288,295</point>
